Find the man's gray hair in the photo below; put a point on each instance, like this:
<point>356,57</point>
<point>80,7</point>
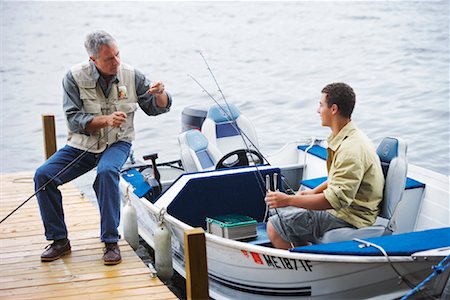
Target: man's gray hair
<point>97,39</point>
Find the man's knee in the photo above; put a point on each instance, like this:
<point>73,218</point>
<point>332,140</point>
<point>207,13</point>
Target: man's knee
<point>271,232</point>
<point>42,174</point>
<point>107,172</point>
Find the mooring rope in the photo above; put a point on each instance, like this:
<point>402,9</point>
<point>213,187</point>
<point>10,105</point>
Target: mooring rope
<point>443,264</point>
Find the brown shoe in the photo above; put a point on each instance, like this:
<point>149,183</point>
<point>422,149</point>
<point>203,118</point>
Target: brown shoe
<point>111,254</point>
<point>55,250</point>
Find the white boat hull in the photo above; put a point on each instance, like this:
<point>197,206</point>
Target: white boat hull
<point>240,270</point>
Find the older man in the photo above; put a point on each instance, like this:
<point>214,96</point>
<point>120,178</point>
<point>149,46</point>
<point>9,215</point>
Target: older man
<point>100,98</point>
<point>354,189</point>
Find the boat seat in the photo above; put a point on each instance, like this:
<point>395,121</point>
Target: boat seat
<point>223,126</point>
<point>197,154</point>
<point>392,153</point>
<point>405,244</point>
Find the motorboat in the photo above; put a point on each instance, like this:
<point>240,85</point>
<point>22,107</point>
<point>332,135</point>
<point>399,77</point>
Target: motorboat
<point>222,172</point>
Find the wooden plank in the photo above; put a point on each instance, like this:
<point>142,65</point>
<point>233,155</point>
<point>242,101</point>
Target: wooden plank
<point>80,274</point>
<point>101,284</point>
<point>25,282</point>
<point>33,263</point>
<point>53,273</point>
<point>48,124</point>
<point>156,292</point>
<point>196,265</point>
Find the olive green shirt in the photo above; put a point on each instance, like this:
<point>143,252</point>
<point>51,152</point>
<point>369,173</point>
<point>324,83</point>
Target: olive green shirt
<point>355,178</point>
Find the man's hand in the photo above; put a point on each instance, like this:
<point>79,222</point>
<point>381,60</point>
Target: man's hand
<point>116,119</point>
<point>277,199</point>
<point>156,88</point>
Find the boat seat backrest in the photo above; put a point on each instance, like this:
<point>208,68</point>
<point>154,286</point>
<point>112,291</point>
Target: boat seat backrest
<point>392,153</point>
<point>197,154</point>
<point>223,126</point>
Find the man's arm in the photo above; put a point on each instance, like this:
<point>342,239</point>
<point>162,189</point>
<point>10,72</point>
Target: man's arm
<point>317,190</point>
<point>314,201</point>
<point>77,119</point>
<point>153,100</point>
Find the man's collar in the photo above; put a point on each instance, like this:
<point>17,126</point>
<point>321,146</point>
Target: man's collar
<point>335,141</point>
<point>96,74</point>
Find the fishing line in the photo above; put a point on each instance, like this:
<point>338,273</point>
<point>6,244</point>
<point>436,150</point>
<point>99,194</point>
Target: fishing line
<point>235,127</point>
<point>59,173</point>
<point>229,117</point>
<point>242,134</point>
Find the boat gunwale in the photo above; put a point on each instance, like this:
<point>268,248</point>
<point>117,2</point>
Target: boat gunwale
<point>239,245</point>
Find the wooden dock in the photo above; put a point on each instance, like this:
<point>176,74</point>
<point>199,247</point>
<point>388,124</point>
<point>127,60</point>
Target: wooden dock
<point>80,274</point>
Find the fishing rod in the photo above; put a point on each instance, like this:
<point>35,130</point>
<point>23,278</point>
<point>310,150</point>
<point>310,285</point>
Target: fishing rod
<point>233,124</point>
<point>229,117</point>
<point>59,173</point>
<point>261,179</point>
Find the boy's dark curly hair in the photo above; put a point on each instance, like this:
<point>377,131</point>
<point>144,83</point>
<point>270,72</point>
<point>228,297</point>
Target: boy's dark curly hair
<point>342,95</point>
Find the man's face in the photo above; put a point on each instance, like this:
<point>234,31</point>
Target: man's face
<point>108,60</point>
<point>324,111</point>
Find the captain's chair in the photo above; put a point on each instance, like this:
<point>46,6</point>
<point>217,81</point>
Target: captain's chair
<point>222,128</point>
<point>392,153</point>
<point>197,154</point>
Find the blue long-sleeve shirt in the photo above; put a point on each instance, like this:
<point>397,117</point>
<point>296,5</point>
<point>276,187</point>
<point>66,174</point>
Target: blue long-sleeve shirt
<point>77,119</point>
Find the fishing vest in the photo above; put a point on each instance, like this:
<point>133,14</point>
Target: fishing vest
<point>122,97</point>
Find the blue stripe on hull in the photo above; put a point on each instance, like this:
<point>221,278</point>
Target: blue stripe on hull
<point>260,290</point>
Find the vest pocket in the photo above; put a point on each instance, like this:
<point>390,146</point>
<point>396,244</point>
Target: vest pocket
<point>91,107</point>
<point>87,93</point>
<point>126,131</point>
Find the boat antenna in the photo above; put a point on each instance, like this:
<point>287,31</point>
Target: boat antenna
<point>57,174</point>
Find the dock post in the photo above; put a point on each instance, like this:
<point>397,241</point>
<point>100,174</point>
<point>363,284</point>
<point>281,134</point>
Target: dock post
<point>196,266</point>
<point>48,122</point>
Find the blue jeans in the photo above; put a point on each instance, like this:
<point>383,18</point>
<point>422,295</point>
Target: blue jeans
<point>106,187</point>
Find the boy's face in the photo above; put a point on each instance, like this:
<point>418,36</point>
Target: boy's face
<point>324,111</point>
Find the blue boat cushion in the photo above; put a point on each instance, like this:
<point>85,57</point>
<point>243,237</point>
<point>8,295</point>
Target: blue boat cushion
<point>315,150</point>
<point>315,182</point>
<point>226,129</point>
<point>196,140</point>
<point>223,113</point>
<point>262,237</point>
<point>199,144</point>
<point>205,159</point>
<point>135,178</point>
<point>395,245</point>
<point>412,184</point>
<point>387,150</point>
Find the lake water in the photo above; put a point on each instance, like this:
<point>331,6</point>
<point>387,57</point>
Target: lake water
<point>271,59</point>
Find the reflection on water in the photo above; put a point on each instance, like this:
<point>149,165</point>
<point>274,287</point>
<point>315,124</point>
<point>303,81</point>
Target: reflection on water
<point>271,59</point>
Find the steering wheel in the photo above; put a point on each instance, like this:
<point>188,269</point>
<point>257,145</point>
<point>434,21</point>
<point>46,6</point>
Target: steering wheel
<point>242,159</point>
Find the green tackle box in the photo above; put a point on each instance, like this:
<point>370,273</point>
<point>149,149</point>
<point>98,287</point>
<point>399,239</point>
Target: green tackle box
<point>232,226</point>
